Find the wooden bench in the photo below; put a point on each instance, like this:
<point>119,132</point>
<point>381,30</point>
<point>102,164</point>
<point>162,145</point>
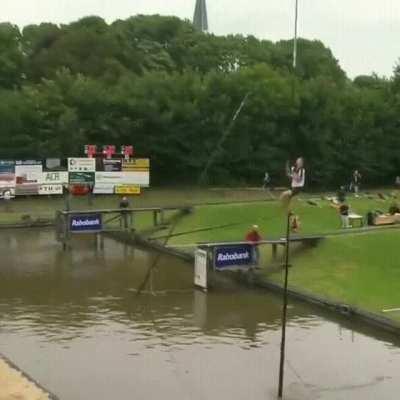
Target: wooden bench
<point>354,218</point>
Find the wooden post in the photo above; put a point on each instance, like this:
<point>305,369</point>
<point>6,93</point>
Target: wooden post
<point>274,251</point>
<point>125,219</point>
<point>155,222</point>
<point>162,216</point>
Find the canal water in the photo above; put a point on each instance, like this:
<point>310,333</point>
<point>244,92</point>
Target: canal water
<point>75,322</point>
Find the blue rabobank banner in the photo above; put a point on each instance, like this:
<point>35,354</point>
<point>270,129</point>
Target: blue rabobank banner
<point>233,256</point>
<point>85,223</point>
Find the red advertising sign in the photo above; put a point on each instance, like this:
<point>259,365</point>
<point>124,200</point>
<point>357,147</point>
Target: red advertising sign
<point>90,150</point>
<point>127,151</point>
<point>109,150</point>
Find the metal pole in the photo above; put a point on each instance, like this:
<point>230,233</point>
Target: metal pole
<point>284,310</point>
<point>296,18</point>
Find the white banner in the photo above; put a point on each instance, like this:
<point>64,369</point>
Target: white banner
<point>50,189</point>
<point>124,178</point>
<point>81,164</point>
<point>28,174</point>
<point>103,188</point>
<point>54,178</point>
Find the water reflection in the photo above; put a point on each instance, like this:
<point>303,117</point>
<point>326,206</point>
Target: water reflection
<point>82,308</point>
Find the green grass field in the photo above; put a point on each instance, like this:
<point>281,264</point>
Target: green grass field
<point>361,270</point>
<point>230,222</point>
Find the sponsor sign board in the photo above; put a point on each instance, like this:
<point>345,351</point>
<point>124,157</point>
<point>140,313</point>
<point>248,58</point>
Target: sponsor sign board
<point>53,163</point>
<point>127,189</point>
<point>226,257</point>
<point>137,164</point>
<point>124,178</point>
<point>50,189</point>
<point>28,177</point>
<point>81,164</point>
<point>83,223</point>
<point>7,166</point>
<point>81,178</point>
<point>103,188</point>
<point>28,162</point>
<point>7,174</point>
<point>54,178</point>
<point>112,165</point>
<point>200,268</point>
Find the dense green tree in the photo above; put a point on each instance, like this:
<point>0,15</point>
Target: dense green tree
<point>172,92</point>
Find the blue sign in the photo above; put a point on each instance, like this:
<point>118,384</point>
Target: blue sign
<point>7,167</point>
<point>233,256</point>
<point>85,223</point>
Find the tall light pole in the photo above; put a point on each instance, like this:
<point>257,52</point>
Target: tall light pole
<point>296,18</point>
<point>288,223</point>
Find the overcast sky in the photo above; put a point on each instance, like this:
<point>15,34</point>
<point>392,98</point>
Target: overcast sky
<point>363,34</point>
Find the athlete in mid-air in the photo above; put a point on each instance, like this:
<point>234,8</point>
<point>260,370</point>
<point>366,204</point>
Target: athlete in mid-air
<point>297,175</point>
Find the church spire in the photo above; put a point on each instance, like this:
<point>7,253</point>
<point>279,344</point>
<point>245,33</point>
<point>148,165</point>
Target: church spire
<point>200,20</point>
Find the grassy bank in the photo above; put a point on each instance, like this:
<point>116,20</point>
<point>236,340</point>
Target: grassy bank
<point>360,269</point>
<point>230,222</point>
<point>42,207</point>
<point>363,271</point>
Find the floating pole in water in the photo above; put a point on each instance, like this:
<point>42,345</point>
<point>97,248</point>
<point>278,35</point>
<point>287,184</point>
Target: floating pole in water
<point>284,309</point>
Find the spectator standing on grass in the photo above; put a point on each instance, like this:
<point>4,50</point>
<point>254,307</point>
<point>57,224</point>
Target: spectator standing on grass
<point>341,194</point>
<point>267,180</point>
<point>397,182</point>
<point>253,237</point>
<point>356,181</point>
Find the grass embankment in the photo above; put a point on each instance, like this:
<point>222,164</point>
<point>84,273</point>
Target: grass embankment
<point>361,269</point>
<point>43,207</point>
<point>230,222</point>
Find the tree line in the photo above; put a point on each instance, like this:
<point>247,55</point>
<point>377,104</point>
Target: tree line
<point>157,83</point>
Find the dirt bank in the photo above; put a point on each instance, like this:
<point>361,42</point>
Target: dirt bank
<point>15,386</point>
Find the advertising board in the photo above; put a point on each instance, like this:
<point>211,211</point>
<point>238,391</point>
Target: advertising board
<point>103,188</point>
<point>127,189</point>
<point>228,257</point>
<point>81,178</point>
<point>28,162</point>
<point>81,164</point>
<point>53,164</point>
<point>7,174</point>
<point>137,164</point>
<point>28,177</point>
<point>54,178</point>
<point>112,165</point>
<point>50,189</point>
<point>124,178</point>
<point>85,223</point>
<point>200,268</point>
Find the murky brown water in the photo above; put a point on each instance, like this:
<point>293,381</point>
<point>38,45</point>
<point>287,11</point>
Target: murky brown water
<point>73,322</point>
